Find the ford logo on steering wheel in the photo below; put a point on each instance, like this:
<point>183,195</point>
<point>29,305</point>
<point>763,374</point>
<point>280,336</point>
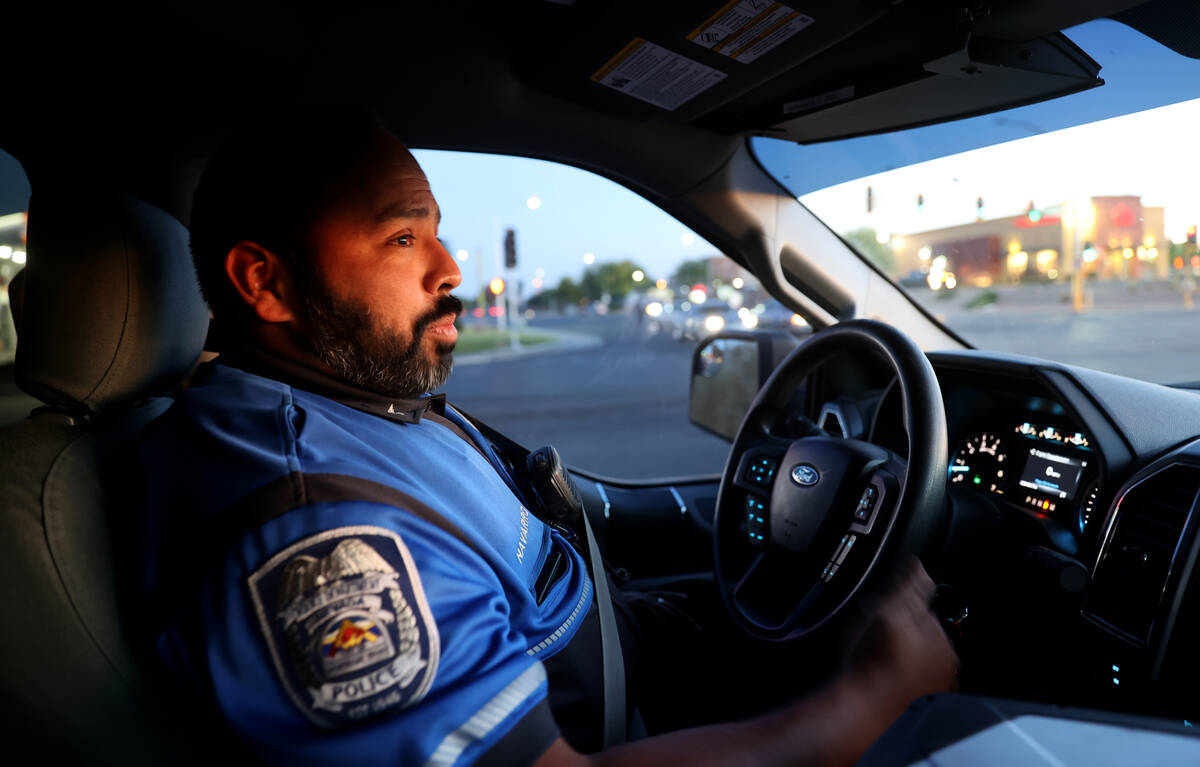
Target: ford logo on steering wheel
<point>805,474</point>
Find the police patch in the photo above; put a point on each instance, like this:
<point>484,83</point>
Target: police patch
<point>346,619</point>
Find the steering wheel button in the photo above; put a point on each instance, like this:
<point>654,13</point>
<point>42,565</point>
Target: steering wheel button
<point>830,571</point>
<point>866,503</point>
<point>844,549</point>
<point>761,471</point>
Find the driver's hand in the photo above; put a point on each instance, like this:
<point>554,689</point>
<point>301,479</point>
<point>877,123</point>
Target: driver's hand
<point>902,652</point>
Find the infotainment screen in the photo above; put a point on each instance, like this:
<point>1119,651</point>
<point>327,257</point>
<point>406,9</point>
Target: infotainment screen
<point>1051,473</point>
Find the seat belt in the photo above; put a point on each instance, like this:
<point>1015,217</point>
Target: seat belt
<point>510,461</point>
<point>610,647</point>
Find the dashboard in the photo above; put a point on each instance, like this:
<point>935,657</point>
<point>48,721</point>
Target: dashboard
<point>1017,443</point>
<point>1044,465</point>
<point>1074,530</point>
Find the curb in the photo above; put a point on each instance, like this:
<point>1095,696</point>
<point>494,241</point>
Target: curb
<point>564,340</point>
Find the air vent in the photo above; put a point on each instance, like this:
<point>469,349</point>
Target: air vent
<point>1128,586</point>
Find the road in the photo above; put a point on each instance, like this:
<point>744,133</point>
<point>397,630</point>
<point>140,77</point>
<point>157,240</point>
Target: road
<point>1141,330</point>
<point>617,409</point>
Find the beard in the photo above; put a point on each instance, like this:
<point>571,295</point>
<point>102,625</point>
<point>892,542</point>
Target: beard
<point>361,350</point>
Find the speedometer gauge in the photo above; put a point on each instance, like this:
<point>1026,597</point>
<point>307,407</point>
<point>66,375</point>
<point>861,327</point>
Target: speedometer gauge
<point>981,462</point>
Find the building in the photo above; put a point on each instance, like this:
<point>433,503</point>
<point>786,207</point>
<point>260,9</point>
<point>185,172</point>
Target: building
<point>12,245</point>
<point>1108,237</point>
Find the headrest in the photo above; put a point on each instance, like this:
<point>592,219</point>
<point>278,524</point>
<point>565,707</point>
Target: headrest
<point>112,311</point>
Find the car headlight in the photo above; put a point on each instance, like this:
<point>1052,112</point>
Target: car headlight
<point>713,323</point>
<point>749,320</point>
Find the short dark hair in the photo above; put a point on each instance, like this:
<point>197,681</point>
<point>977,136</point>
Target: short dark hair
<point>262,186</point>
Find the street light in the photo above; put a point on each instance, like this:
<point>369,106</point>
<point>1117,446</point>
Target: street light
<point>462,255</point>
<point>589,258</point>
<point>638,275</point>
<point>534,202</point>
<point>687,238</point>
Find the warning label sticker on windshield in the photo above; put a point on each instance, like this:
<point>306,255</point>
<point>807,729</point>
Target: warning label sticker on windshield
<point>743,30</point>
<point>656,75</point>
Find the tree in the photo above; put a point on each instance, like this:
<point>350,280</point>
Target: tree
<point>590,284</point>
<point>864,241</point>
<point>691,272</point>
<point>613,279</point>
<point>568,292</point>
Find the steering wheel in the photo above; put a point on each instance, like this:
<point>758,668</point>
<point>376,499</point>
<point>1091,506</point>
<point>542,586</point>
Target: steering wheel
<point>802,524</point>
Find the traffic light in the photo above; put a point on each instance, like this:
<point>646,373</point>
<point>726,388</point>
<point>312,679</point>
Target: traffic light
<point>920,202</point>
<point>1033,214</point>
<point>979,208</point>
<point>510,249</point>
<point>1191,235</point>
<point>870,200</point>
<point>496,286</point>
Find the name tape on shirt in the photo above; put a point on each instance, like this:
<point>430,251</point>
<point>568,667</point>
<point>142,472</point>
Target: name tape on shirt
<point>347,623</point>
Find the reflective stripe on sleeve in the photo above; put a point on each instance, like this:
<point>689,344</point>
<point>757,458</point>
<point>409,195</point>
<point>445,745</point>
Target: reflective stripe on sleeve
<point>487,718</point>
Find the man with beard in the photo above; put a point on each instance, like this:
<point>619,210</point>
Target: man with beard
<point>337,561</point>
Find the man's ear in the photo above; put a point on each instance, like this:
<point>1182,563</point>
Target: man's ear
<point>262,281</point>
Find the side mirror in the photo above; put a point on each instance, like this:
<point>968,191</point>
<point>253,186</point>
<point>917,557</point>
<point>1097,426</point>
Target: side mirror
<point>728,369</point>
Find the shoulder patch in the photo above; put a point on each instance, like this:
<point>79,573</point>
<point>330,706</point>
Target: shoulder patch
<point>347,623</point>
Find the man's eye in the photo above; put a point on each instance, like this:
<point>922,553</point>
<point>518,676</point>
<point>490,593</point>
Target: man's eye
<point>404,240</point>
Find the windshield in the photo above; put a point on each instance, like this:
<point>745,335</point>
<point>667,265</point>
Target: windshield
<point>1064,230</point>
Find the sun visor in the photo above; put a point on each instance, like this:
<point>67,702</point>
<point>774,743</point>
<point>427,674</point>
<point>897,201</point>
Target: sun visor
<point>986,75</point>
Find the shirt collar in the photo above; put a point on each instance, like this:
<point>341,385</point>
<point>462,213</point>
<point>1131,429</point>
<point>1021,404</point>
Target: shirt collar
<point>263,363</point>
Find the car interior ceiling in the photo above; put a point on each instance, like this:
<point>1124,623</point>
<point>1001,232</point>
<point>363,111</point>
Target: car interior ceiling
<point>142,111</point>
<point>119,110</point>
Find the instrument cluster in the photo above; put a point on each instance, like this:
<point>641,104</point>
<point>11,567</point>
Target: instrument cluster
<point>1042,467</point>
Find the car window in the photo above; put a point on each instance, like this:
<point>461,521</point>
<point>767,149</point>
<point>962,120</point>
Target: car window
<point>14,204</point>
<point>584,340</point>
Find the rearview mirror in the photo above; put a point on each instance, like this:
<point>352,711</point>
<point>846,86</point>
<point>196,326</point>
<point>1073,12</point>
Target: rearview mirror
<point>728,369</point>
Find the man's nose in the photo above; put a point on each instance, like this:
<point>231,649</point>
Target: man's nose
<point>444,274</point>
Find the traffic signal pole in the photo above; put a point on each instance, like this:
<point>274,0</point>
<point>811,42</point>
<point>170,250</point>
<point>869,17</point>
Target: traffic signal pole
<point>510,261</point>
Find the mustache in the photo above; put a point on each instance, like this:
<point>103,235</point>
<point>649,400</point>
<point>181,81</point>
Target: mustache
<point>444,305</point>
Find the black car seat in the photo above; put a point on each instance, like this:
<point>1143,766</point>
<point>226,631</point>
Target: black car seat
<point>112,320</point>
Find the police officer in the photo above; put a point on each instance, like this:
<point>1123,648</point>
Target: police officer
<point>336,564</point>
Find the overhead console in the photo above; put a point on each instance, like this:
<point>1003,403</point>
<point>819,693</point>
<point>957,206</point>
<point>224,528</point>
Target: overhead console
<point>806,70</point>
<point>978,76</point>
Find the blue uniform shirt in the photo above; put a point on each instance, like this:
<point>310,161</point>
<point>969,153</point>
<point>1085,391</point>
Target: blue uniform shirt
<point>379,604</point>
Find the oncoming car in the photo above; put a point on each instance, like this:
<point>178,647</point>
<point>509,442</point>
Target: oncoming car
<point>1032,431</point>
